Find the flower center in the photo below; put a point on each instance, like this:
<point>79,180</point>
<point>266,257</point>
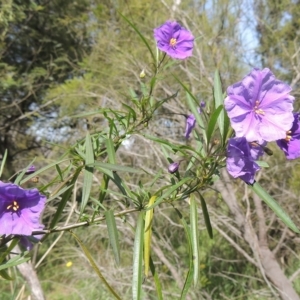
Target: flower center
<point>288,136</point>
<point>173,42</point>
<point>258,110</point>
<point>14,207</point>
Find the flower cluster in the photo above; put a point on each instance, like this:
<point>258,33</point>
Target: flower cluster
<point>20,211</point>
<point>260,109</point>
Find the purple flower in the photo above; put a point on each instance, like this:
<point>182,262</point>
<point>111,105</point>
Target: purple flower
<point>173,39</point>
<point>260,107</point>
<point>28,241</point>
<point>190,124</point>
<point>20,209</point>
<point>257,150</point>
<point>239,162</point>
<point>173,167</point>
<point>30,170</point>
<point>201,106</point>
<point>291,144</point>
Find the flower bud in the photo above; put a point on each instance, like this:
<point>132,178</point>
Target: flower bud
<point>173,167</point>
<point>30,170</point>
<point>142,74</point>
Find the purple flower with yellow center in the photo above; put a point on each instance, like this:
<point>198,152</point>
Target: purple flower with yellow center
<point>20,209</point>
<point>175,40</point>
<point>291,144</point>
<point>239,162</point>
<point>260,107</point>
<point>190,125</point>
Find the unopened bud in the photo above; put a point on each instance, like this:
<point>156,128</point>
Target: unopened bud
<point>30,170</point>
<point>142,74</point>
<point>173,167</point>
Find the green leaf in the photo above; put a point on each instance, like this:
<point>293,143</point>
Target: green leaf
<point>94,265</point>
<point>66,196</point>
<point>15,260</point>
<point>262,164</point>
<point>206,217</point>
<point>21,174</point>
<point>161,102</point>
<point>189,276</point>
<point>58,193</point>
<point>147,235</point>
<point>137,277</point>
<point>131,112</point>
<point>223,120</point>
<point>59,172</point>
<point>3,162</point>
<point>140,35</point>
<point>5,275</point>
<point>212,123</point>
<point>42,170</point>
<point>194,238</point>
<point>112,167</point>
<point>110,148</point>
<point>283,216</point>
<point>113,234</point>
<point>88,172</point>
<point>3,254</point>
<point>218,97</point>
<point>156,280</point>
<point>169,191</point>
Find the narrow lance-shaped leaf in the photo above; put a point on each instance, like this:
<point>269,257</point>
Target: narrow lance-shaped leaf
<point>113,234</point>
<point>5,275</point>
<point>274,206</point>
<point>223,120</point>
<point>140,35</point>
<point>66,196</point>
<point>218,96</point>
<point>110,148</point>
<point>3,162</point>
<point>88,172</point>
<point>147,235</point>
<point>206,217</point>
<point>156,280</point>
<point>194,238</point>
<point>113,167</point>
<point>15,260</point>
<point>94,266</point>
<point>37,172</point>
<point>189,276</point>
<point>212,123</point>
<point>169,191</point>
<point>21,174</point>
<point>137,276</point>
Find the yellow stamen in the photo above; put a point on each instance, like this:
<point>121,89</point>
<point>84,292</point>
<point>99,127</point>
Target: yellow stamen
<point>173,42</point>
<point>288,136</point>
<point>257,110</point>
<point>14,206</point>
